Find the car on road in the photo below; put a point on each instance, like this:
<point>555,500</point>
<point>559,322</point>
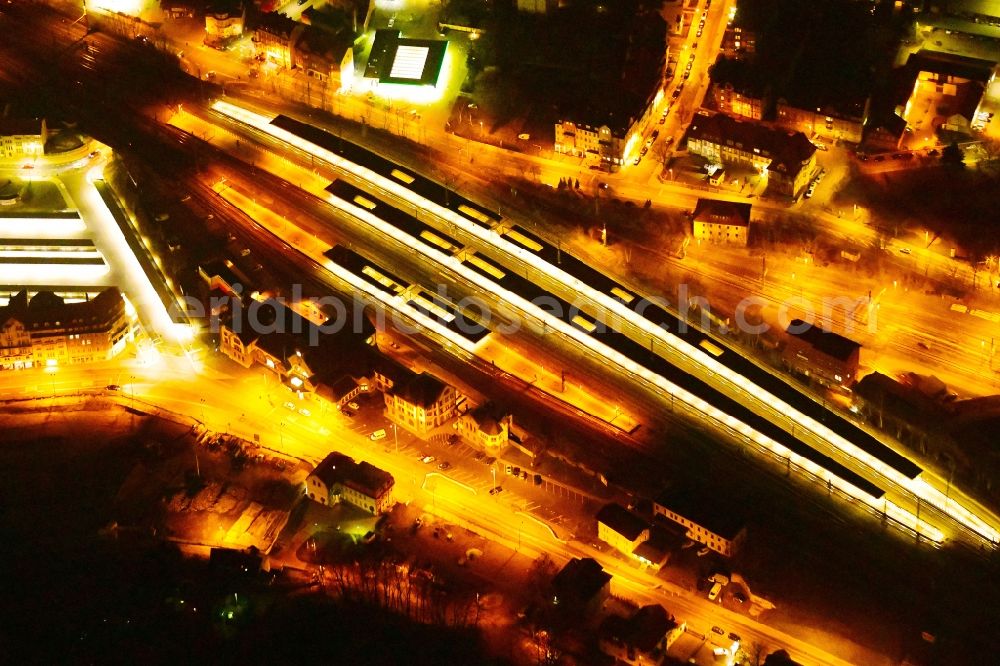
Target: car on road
<point>496,490</point>
<point>353,405</point>
<point>718,631</point>
<point>113,387</point>
<point>645,149</point>
<point>305,412</point>
<point>636,161</point>
<point>479,456</point>
<point>489,460</point>
<point>377,435</point>
<point>734,637</point>
<point>602,185</point>
<point>427,460</point>
<point>656,134</point>
<point>445,466</point>
<point>290,406</point>
<point>904,250</point>
<point>740,597</point>
<point>369,536</point>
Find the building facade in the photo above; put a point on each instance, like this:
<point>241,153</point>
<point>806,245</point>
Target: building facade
<point>484,427</point>
<point>787,159</point>
<point>22,137</point>
<point>704,519</point>
<point>421,403</point>
<point>723,222</point>
<point>224,22</point>
<point>338,478</point>
<point>831,124</point>
<point>47,331</point>
<point>274,39</point>
<point>736,102</point>
<point>620,528</point>
<point>823,355</point>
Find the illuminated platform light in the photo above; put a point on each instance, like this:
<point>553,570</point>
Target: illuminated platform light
<point>409,62</point>
<point>262,123</point>
<point>131,7</point>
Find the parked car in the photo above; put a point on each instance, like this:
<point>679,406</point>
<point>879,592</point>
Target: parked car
<point>377,435</point>
<point>353,405</point>
<point>445,466</point>
<point>427,460</point>
<point>496,490</point>
<point>718,631</point>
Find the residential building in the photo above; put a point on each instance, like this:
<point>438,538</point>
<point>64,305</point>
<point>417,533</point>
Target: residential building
<point>705,518</point>
<point>338,478</point>
<point>45,330</point>
<point>843,122</point>
<point>737,102</point>
<point>224,22</point>
<point>718,221</point>
<point>640,640</point>
<point>22,137</point>
<point>421,403</point>
<point>605,101</point>
<point>581,587</point>
<point>787,159</point>
<point>274,39</point>
<point>823,355</point>
<point>620,528</point>
<point>738,42</point>
<point>485,426</point>
<point>324,55</point>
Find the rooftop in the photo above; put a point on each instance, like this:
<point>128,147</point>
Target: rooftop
<point>422,390</point>
<point>951,64</point>
<point>715,211</point>
<point>643,631</point>
<point>46,311</point>
<point>14,126</point>
<point>363,477</point>
<point>706,510</point>
<point>788,150</point>
<point>580,580</point>
<point>395,59</point>
<point>828,342</point>
<point>622,521</point>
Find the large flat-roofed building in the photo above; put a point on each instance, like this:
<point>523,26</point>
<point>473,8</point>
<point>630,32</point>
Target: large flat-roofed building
<point>824,355</point>
<point>395,59</point>
<point>45,330</point>
<point>786,158</point>
<point>340,478</point>
<point>706,518</point>
<point>22,137</point>
<point>974,17</point>
<point>726,222</point>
